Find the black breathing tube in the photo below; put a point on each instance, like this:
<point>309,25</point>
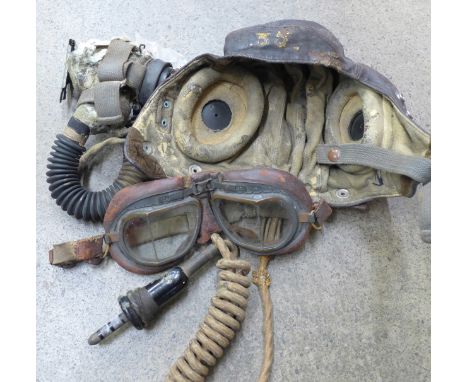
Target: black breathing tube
<point>65,182</point>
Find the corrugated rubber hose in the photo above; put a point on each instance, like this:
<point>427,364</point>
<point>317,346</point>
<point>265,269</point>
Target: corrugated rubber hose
<point>66,185</point>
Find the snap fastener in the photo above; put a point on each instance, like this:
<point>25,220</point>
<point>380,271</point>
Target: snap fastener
<point>333,155</point>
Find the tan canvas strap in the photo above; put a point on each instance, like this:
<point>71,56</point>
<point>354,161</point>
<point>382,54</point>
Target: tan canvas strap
<point>424,197</point>
<point>110,108</point>
<point>87,96</point>
<point>416,168</point>
<point>107,102</point>
<point>135,73</point>
<point>114,71</point>
<point>111,67</point>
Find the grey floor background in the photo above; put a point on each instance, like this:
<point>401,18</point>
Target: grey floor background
<point>354,305</point>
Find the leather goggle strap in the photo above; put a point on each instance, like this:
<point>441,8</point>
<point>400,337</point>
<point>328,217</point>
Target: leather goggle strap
<point>92,250</point>
<point>322,212</point>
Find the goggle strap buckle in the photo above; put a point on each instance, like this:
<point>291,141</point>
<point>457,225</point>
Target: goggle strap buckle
<point>203,186</point>
<point>319,214</point>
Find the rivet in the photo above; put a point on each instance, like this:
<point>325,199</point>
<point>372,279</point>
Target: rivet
<point>342,193</point>
<point>164,122</point>
<point>166,104</point>
<point>333,155</point>
<point>193,169</point>
<point>147,148</point>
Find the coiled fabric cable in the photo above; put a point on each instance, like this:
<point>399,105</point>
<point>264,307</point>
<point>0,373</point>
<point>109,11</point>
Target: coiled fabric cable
<point>222,321</point>
<point>228,311</point>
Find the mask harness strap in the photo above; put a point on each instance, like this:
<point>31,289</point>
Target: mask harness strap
<point>416,168</point>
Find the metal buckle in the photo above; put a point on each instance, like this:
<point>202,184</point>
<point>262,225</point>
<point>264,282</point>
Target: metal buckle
<point>312,218</point>
<point>202,186</point>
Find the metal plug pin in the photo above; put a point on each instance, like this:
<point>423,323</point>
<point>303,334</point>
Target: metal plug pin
<point>108,329</point>
<point>142,305</point>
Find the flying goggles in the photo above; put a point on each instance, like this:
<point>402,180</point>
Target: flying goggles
<point>154,225</point>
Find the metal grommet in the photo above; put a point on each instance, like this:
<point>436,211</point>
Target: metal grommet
<point>166,104</point>
<point>342,193</point>
<point>147,148</point>
<point>194,168</point>
<point>164,122</point>
<point>333,155</point>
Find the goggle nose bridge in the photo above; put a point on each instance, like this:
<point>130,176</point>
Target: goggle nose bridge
<point>204,185</point>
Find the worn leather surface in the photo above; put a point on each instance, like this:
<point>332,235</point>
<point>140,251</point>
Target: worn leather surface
<point>72,252</point>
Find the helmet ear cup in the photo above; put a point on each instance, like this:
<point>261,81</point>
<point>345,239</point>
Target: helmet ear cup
<point>217,112</point>
<point>357,114</point>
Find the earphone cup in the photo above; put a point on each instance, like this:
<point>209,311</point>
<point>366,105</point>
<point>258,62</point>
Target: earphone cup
<point>357,114</point>
<point>216,113</point>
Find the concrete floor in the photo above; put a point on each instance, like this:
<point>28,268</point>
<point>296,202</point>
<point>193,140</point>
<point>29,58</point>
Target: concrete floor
<point>354,305</point>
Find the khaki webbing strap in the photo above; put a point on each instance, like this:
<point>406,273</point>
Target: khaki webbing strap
<point>416,168</point>
<point>87,96</point>
<point>68,254</point>
<point>107,102</point>
<point>424,197</point>
<point>135,73</point>
<point>114,70</point>
<point>111,67</point>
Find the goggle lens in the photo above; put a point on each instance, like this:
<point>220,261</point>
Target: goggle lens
<point>161,235</point>
<point>259,224</point>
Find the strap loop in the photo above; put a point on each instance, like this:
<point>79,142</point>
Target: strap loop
<point>108,104</point>
<point>111,67</point>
